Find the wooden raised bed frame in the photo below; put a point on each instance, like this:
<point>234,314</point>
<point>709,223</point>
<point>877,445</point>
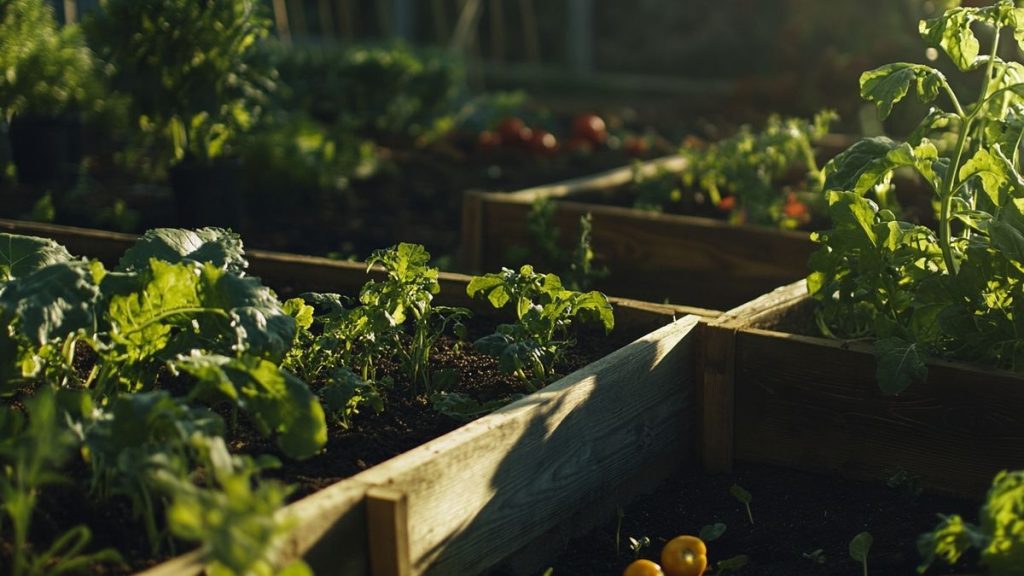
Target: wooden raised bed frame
<point>813,403</point>
<point>651,256</point>
<point>556,460</point>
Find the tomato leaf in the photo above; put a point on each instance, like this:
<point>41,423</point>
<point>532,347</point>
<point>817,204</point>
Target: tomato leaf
<point>887,85</point>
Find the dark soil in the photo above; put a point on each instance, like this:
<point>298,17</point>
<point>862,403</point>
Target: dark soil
<point>795,514</point>
<point>407,422</point>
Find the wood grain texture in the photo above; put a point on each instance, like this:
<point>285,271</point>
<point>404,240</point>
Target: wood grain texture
<point>387,516</point>
<point>814,404</point>
<point>715,397</point>
<point>654,257</point>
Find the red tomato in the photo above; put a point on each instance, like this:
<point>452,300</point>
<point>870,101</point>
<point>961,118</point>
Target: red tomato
<point>684,556</point>
<point>510,129</point>
<point>543,141</point>
<point>635,145</point>
<point>727,204</point>
<point>590,127</point>
<point>643,568</point>
<point>488,140</point>
<point>795,209</point>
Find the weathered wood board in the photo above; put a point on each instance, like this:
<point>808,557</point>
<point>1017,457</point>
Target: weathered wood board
<point>813,403</point>
<point>651,256</point>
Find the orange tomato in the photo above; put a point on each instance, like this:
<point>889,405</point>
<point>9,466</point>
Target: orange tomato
<point>684,556</point>
<point>643,568</point>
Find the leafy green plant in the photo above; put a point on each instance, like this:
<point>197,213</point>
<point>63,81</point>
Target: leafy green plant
<point>953,293</point>
<point>745,175</point>
<point>46,70</point>
<point>576,268</point>
<point>859,548</point>
<point>999,537</point>
<point>545,311</point>
<point>193,69</point>
<point>744,497</point>
<point>407,294</point>
<point>33,447</point>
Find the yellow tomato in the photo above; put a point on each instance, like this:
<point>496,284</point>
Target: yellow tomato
<point>684,556</point>
<point>643,568</point>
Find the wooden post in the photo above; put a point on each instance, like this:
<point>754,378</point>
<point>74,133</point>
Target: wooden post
<point>530,36</point>
<point>346,20</point>
<point>440,22</point>
<point>471,251</point>
<point>580,37</point>
<point>497,29</point>
<point>281,21</point>
<point>326,19</point>
<point>387,516</point>
<point>299,13</point>
<point>70,12</point>
<point>402,16</point>
<point>715,396</point>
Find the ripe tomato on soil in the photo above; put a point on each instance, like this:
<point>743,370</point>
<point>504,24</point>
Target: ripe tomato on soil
<point>590,127</point>
<point>643,568</point>
<point>684,556</point>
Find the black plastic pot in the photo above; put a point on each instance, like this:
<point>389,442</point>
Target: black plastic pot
<point>207,193</point>
<point>46,151</point>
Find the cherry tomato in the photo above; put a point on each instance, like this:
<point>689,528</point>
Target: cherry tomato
<point>643,568</point>
<point>510,129</point>
<point>543,141</point>
<point>727,204</point>
<point>488,140</point>
<point>684,556</point>
<point>635,145</point>
<point>590,127</point>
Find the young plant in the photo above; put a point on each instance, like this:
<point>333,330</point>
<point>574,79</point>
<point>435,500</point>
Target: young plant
<point>744,497</point>
<point>577,268</point>
<point>406,295</point>
<point>953,293</point>
<point>545,312</point>
<point>859,548</point>
<point>999,537</point>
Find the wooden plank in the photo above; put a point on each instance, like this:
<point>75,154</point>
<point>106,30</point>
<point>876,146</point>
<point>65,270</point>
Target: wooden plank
<point>70,11</point>
<point>477,494</point>
<point>531,36</point>
<point>580,38</point>
<point>803,405</point>
<point>472,231</point>
<point>497,30</point>
<point>694,261</point>
<point>608,179</point>
<point>298,18</point>
<point>387,514</point>
<point>326,18</point>
<point>346,20</point>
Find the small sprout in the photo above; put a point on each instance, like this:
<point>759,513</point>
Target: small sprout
<point>859,547</point>
<point>637,546</point>
<point>732,564</point>
<point>712,532</point>
<point>619,515</point>
<point>816,556</point>
<point>549,572</point>
<point>745,497</point>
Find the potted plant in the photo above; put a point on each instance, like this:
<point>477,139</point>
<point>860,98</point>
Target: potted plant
<point>919,366</point>
<point>197,80</point>
<point>48,75</point>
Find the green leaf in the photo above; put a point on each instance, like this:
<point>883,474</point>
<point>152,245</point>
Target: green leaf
<point>300,311</point>
<point>900,363</point>
<point>860,546</point>
<point>712,532</point>
<point>598,303</point>
<point>992,172</point>
<point>952,33</point>
<point>492,286</point>
<point>22,255</point>
<point>217,246</point>
<point>278,402</point>
<point>853,213</point>
<point>863,165</point>
<point>740,493</point>
<point>732,564</point>
<point>52,302</point>
<point>464,408</point>
<point>887,85</point>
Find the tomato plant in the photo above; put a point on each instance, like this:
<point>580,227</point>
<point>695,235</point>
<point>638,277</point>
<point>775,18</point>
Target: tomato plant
<point>955,292</point>
<point>684,556</point>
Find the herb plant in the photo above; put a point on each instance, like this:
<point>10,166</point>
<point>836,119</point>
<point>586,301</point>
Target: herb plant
<point>859,548</point>
<point>545,311</point>
<point>954,292</point>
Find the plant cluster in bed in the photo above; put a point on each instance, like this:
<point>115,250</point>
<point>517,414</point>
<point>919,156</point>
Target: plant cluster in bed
<point>167,386</point>
<point>954,292</point>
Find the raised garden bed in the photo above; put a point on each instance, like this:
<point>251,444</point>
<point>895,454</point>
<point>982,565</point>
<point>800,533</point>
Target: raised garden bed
<point>651,256</point>
<point>463,502</point>
<point>774,394</point>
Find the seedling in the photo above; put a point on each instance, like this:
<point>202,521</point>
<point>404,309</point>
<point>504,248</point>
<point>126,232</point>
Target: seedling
<point>732,564</point>
<point>712,532</point>
<point>636,546</point>
<point>619,515</point>
<point>859,548</point>
<point>745,497</point>
<point>816,556</point>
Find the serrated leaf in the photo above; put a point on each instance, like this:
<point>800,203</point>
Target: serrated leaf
<point>887,85</point>
<point>261,325</point>
<point>219,247</point>
<point>991,171</point>
<point>22,255</point>
<point>952,33</point>
<point>853,213</point>
<point>598,303</point>
<point>52,302</point>
<point>1006,231</point>
<point>900,364</point>
<point>492,286</point>
<point>861,166</point>
<point>278,402</point>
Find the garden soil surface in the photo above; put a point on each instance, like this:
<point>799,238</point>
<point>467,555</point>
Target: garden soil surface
<point>795,514</point>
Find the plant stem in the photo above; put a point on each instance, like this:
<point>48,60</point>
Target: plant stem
<point>947,199</point>
<point>749,514</point>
